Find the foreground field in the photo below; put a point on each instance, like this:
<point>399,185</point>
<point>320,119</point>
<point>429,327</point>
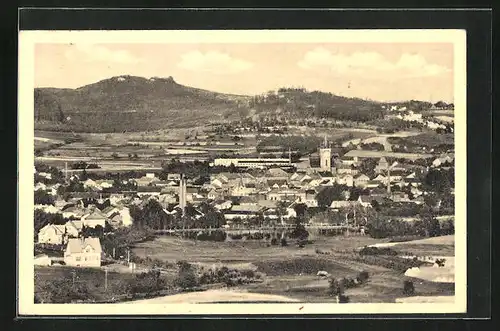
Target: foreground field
<point>215,296</point>
<point>291,271</point>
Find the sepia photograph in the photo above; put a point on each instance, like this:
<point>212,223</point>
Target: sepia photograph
<point>242,172</point>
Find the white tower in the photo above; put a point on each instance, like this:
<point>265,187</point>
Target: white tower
<point>182,194</point>
<point>325,157</point>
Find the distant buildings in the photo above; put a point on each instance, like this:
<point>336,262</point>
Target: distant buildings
<point>252,162</point>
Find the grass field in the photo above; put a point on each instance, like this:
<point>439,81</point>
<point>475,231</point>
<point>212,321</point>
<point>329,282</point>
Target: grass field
<point>291,271</point>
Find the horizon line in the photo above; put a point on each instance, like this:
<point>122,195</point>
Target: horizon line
<point>243,95</point>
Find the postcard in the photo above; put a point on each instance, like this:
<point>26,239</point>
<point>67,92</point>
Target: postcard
<point>242,172</point>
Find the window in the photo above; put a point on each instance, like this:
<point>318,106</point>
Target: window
<point>78,258</point>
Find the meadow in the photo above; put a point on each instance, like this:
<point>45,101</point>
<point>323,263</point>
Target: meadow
<point>291,271</point>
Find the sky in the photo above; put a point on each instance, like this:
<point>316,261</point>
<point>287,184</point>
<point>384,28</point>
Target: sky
<point>377,71</point>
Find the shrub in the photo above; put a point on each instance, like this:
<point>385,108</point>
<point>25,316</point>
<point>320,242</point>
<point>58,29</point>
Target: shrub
<point>248,273</point>
<point>363,276</point>
<point>186,277</point>
<point>408,287</point>
<point>343,299</point>
<point>274,241</point>
<point>334,287</point>
<point>377,251</point>
<point>283,242</point>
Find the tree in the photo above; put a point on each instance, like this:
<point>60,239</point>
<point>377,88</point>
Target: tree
<point>42,197</point>
<point>42,218</point>
<point>281,209</point>
<point>408,287</point>
<point>329,194</point>
<point>186,277</point>
<point>300,210</point>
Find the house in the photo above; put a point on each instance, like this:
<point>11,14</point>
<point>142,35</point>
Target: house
<point>382,165</point>
<point>83,252</point>
<point>309,199</point>
<point>372,184</point>
<point>143,191</point>
<point>242,190</point>
<point>346,161</point>
<point>104,183</point>
<point>285,195</point>
<point>121,217</point>
<point>240,211</point>
<point>443,159</point>
<point>42,260</point>
<point>52,234</point>
<point>74,212</point>
<point>40,186</point>
<point>174,177</point>
<point>396,175</point>
<point>368,200</point>
<point>90,184</point>
<point>276,173</point>
<point>115,198</point>
<point>345,180</point>
<point>248,200</point>
<point>399,197</point>
<point>95,218</point>
<point>419,200</point>
<point>213,195</point>
<point>223,205</point>
<point>361,180</point>
<point>73,228</point>
<point>336,204</point>
<point>345,169</point>
<point>108,211</point>
<point>149,179</point>
<point>378,192</point>
<point>48,209</point>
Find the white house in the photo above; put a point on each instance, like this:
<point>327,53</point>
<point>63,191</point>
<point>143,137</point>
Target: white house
<point>361,180</point>
<point>52,234</point>
<point>83,252</point>
<point>43,259</point>
<point>94,219</point>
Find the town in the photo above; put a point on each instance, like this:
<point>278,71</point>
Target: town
<point>270,184</point>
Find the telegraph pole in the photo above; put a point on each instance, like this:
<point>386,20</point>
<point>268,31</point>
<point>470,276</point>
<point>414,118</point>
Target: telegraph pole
<point>388,179</point>
<point>105,279</point>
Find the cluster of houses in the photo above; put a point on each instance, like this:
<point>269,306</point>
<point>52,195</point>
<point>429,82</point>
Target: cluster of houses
<point>271,193</point>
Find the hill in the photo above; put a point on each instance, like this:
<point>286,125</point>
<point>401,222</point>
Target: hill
<point>129,103</point>
<point>298,103</point>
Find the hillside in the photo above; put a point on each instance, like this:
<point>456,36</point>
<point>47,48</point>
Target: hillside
<point>128,103</point>
<point>299,103</point>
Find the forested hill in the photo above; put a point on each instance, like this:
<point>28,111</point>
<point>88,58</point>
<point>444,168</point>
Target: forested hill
<point>299,103</point>
<point>128,103</point>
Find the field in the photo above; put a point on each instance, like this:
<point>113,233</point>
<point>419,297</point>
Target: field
<point>127,151</point>
<point>291,271</point>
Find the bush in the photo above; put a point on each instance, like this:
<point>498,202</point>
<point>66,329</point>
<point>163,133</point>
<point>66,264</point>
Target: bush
<point>248,273</point>
<point>377,251</point>
<point>363,276</point>
<point>408,287</point>
<point>343,299</point>
<point>274,241</point>
<point>283,242</point>
<point>186,277</point>
<point>335,287</point>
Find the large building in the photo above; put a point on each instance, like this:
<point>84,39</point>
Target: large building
<point>253,162</point>
<point>357,154</point>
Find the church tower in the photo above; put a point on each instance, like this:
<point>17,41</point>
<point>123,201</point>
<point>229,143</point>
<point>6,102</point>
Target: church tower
<point>325,156</point>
